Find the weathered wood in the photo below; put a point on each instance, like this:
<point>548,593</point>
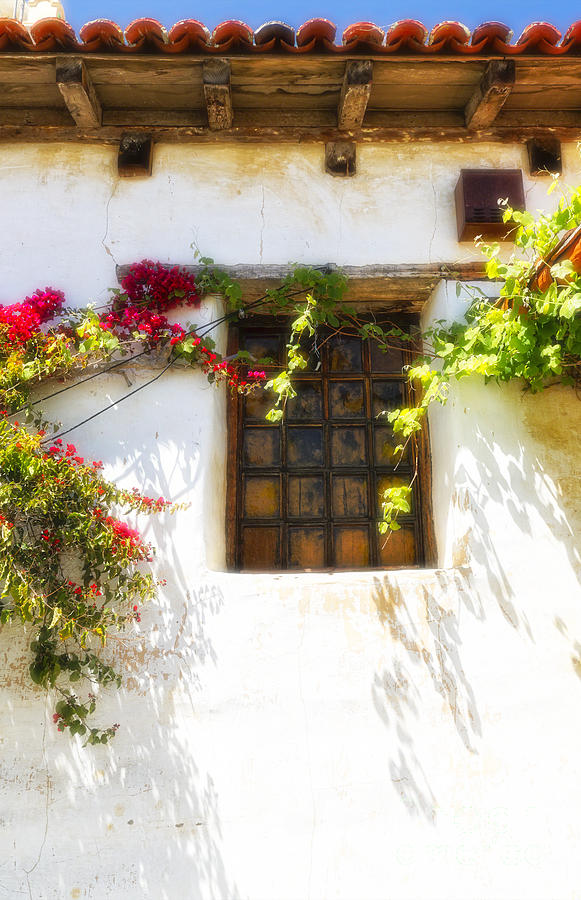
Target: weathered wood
<point>36,121</point>
<point>155,97</point>
<point>402,288</point>
<point>355,94</point>
<point>233,421</point>
<point>544,97</point>
<point>78,92</point>
<point>145,120</point>
<point>430,546</point>
<point>491,94</point>
<point>290,99</point>
<point>285,96</point>
<point>49,125</point>
<point>217,91</point>
<point>401,96</point>
<point>31,95</point>
<point>341,158</point>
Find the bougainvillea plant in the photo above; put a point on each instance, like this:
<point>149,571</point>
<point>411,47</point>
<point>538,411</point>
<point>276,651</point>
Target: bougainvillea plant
<point>71,568</point>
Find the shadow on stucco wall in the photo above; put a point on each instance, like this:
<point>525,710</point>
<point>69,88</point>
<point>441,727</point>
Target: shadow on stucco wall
<point>514,527</point>
<point>426,657</point>
<point>139,818</point>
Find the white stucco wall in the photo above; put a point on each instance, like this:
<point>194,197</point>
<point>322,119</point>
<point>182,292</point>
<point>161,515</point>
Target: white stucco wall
<point>357,735</point>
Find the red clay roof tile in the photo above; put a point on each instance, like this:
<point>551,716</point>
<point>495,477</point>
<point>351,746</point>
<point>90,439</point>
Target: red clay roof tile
<point>317,35</point>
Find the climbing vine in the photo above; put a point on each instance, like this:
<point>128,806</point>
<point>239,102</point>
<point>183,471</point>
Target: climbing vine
<point>531,332</point>
<point>72,570</point>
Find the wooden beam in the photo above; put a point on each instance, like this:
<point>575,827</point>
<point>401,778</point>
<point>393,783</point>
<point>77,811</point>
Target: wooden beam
<point>34,126</point>
<point>491,94</point>
<point>355,94</point>
<point>218,94</point>
<point>403,288</point>
<point>78,92</point>
<point>341,158</point>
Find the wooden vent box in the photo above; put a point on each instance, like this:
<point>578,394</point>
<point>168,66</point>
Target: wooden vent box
<point>477,194</point>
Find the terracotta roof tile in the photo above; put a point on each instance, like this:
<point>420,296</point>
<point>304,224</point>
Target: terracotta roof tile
<point>317,35</point>
<point>272,34</point>
<point>363,32</point>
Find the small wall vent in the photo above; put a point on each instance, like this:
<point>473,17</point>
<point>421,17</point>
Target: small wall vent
<point>477,209</point>
<point>135,156</point>
<point>545,157</point>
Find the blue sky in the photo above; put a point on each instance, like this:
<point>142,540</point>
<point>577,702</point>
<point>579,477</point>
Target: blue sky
<point>517,14</point>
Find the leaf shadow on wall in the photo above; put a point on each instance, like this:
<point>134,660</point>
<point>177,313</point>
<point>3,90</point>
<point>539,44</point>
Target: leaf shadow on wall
<point>516,508</point>
<point>426,655</point>
<point>539,514</point>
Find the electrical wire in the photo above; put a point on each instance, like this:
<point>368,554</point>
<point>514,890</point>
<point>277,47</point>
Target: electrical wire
<point>111,405</point>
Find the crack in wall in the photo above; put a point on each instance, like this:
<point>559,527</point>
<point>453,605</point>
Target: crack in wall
<point>435,213</point>
<point>106,248</point>
<point>263,223</point>
<point>28,872</point>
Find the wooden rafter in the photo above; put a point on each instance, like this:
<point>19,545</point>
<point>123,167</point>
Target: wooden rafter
<point>218,94</point>
<point>491,94</point>
<point>78,92</point>
<point>355,93</point>
<point>317,98</point>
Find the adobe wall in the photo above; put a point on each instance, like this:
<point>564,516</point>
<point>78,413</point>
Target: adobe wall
<point>357,735</point>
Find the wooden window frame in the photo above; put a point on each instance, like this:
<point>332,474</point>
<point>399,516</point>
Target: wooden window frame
<point>423,494</point>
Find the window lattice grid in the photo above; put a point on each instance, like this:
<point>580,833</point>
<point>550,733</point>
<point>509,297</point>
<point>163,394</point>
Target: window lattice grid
<point>309,487</point>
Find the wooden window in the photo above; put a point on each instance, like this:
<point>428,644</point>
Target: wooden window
<point>305,493</point>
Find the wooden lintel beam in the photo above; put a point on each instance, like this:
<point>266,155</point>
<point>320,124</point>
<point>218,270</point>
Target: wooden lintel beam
<point>78,92</point>
<point>354,94</point>
<point>491,94</point>
<point>403,288</point>
<point>451,271</point>
<point>218,94</point>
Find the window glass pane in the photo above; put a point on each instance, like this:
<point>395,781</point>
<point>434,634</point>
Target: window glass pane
<point>345,354</point>
<point>311,351</point>
<point>346,399</point>
<point>306,548</point>
<point>257,404</point>
<point>386,395</point>
<point>385,443</point>
<point>263,346</point>
<point>398,548</point>
<point>304,447</point>
<point>351,547</point>
<point>391,360</point>
<point>306,496</point>
<point>308,404</point>
<point>350,495</point>
<point>261,496</point>
<point>261,447</point>
<point>348,446</point>
<point>260,548</point>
